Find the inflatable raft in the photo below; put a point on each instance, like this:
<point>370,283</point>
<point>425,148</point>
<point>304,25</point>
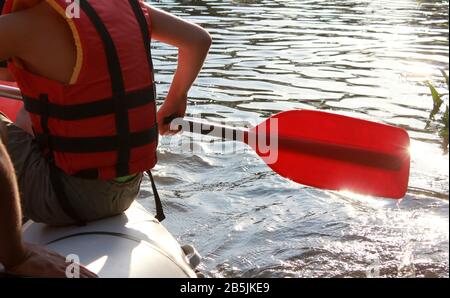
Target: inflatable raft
<point>133,244</point>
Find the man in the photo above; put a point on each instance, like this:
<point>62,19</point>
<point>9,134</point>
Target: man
<point>88,86</point>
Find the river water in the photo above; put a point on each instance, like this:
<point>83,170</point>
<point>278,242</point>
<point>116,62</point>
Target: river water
<point>367,59</point>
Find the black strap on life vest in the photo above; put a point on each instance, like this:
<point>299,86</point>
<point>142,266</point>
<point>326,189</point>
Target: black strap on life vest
<point>159,208</point>
<point>103,107</point>
<point>96,144</point>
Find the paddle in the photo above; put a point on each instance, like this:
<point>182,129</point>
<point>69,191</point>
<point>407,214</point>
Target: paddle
<point>322,150</point>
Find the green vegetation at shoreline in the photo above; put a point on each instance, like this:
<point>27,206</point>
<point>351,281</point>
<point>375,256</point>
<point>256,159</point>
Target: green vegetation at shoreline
<point>437,104</point>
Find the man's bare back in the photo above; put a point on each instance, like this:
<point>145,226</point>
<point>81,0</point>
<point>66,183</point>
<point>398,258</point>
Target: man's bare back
<point>44,42</point>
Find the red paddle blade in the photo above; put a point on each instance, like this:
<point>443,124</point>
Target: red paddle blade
<point>335,152</point>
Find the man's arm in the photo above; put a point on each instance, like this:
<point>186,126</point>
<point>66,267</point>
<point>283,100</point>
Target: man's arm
<point>11,34</point>
<point>9,43</point>
<point>12,251</point>
<point>193,44</point>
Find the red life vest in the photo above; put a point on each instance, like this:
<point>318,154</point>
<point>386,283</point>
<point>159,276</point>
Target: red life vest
<point>101,125</point>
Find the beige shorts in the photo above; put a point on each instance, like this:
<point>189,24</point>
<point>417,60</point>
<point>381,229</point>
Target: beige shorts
<point>90,199</point>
